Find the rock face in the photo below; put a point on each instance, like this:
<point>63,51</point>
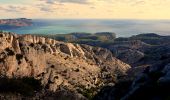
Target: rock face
<point>57,64</point>
<point>141,49</point>
<point>152,84</point>
<point>135,50</point>
<point>149,77</point>
<point>130,51</point>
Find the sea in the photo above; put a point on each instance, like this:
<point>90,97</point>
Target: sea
<point>122,28</point>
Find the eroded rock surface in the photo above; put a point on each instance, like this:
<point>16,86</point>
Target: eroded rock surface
<point>58,64</point>
<point>151,84</point>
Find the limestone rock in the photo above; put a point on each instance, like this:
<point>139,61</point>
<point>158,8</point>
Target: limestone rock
<point>57,64</point>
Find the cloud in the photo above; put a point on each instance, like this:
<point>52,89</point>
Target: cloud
<point>92,7</point>
<point>13,8</point>
<point>45,9</point>
<point>1,8</point>
<point>138,3</point>
<point>66,1</point>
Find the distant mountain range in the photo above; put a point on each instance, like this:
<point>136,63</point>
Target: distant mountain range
<point>14,23</point>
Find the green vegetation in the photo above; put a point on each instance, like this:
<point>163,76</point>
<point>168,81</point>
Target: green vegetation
<point>77,37</point>
<point>9,52</point>
<point>89,93</point>
<point>103,39</point>
<point>19,56</point>
<point>25,86</point>
<point>115,92</point>
<point>1,31</point>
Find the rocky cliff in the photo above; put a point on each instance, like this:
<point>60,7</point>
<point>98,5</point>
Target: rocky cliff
<point>58,64</point>
<point>151,84</point>
<point>148,79</point>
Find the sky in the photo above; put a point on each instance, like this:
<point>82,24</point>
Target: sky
<point>85,9</point>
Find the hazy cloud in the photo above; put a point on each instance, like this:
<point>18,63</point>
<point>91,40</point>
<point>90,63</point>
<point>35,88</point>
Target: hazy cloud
<point>45,9</point>
<point>66,1</point>
<point>92,7</point>
<point>86,8</point>
<point>13,8</point>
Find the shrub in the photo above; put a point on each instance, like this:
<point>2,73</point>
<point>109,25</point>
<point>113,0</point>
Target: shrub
<point>1,34</point>
<point>89,93</point>
<point>9,52</point>
<point>19,56</point>
<point>77,70</point>
<point>25,86</point>
<point>32,44</point>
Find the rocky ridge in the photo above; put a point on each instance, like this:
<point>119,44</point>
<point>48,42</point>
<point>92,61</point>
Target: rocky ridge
<point>148,79</point>
<point>151,84</point>
<point>58,64</point>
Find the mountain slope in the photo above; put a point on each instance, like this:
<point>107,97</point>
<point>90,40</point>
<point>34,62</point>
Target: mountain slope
<point>58,64</point>
<point>151,84</point>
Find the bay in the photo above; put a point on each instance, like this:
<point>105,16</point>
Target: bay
<point>122,28</point>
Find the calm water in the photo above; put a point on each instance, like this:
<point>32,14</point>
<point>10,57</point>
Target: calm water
<point>123,28</point>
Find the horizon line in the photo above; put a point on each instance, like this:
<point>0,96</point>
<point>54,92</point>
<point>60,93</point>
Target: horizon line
<point>85,18</point>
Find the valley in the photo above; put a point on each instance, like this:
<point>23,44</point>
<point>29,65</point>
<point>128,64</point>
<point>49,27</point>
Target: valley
<point>84,70</point>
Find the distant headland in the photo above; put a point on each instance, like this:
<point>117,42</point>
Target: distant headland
<point>14,23</point>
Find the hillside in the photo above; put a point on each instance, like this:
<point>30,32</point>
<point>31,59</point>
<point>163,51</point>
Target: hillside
<point>151,84</point>
<point>58,65</point>
<point>148,79</point>
<point>79,71</point>
<point>100,39</point>
<point>137,50</point>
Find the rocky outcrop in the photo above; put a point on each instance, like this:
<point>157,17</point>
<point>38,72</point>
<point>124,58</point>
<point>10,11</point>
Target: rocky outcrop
<point>138,50</point>
<point>142,49</point>
<point>151,84</point>
<point>149,77</point>
<point>58,64</point>
<point>131,51</point>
